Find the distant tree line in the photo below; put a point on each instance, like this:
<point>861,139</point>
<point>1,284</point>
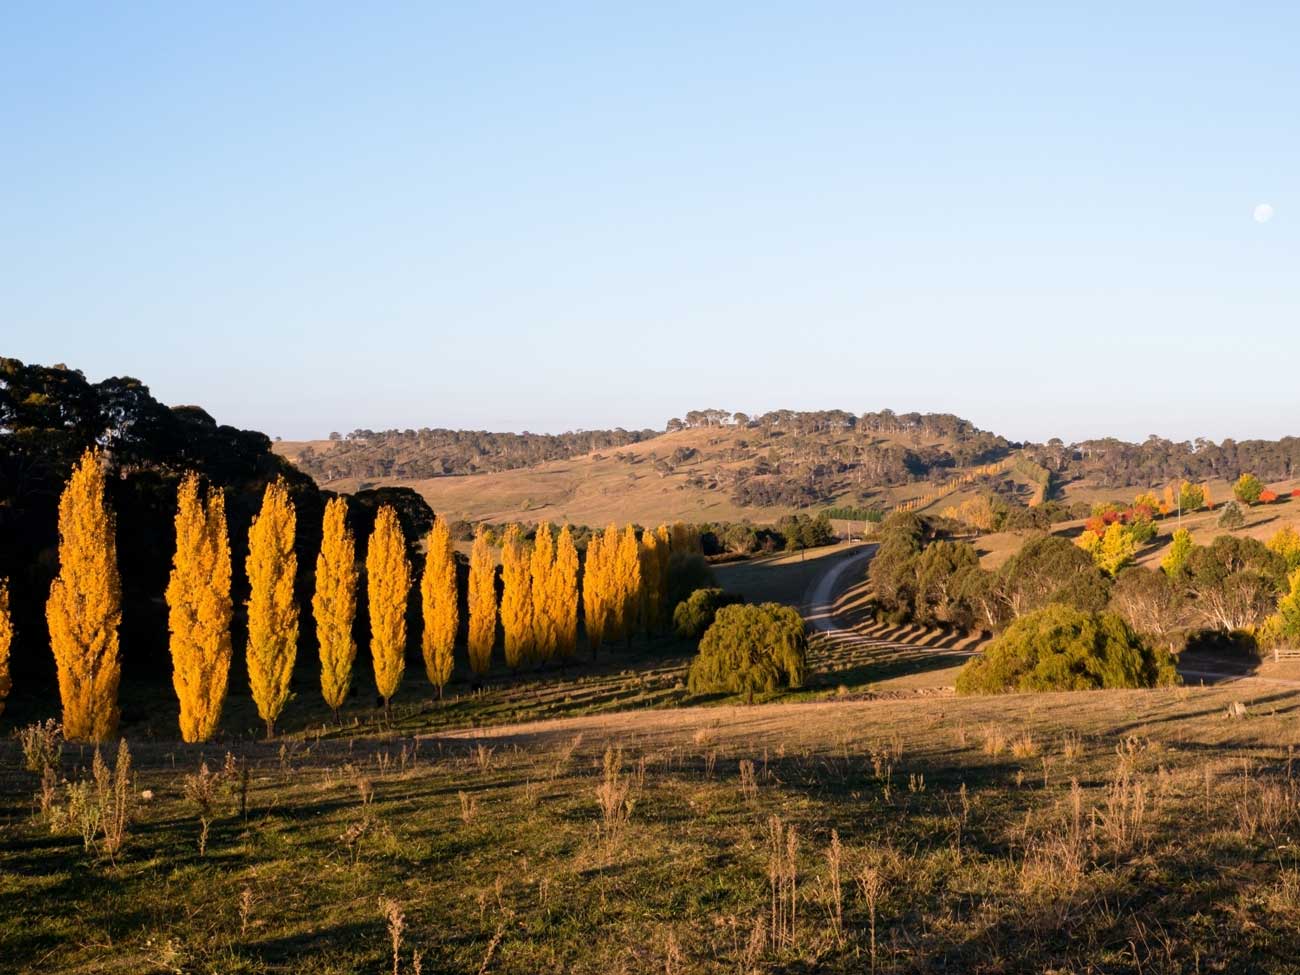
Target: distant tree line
<point>1116,463</point>
<point>437,452</point>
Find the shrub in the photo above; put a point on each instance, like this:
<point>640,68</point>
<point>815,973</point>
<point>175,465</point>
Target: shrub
<point>695,614</point>
<point>1061,649</point>
<point>751,649</point>
<point>1231,517</point>
<point>1267,497</point>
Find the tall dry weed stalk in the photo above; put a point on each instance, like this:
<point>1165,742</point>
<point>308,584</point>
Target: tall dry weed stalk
<point>613,794</point>
<point>748,780</point>
<point>783,882</point>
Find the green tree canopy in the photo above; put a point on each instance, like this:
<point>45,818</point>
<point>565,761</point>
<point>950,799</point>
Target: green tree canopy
<point>1061,648</point>
<point>751,650</point>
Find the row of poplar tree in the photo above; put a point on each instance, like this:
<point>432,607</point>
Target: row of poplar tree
<point>624,580</point>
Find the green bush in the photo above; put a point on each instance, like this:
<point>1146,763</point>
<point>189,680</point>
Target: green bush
<point>751,650</point>
<point>695,614</point>
<point>1061,648</point>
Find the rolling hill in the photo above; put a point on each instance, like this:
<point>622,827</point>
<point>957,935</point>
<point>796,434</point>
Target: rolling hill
<point>757,469</point>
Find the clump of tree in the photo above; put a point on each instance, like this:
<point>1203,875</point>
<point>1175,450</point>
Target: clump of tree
<point>1154,604</point>
<point>751,650</point>
<point>695,614</point>
<point>916,577</point>
<point>1060,648</point>
<point>1234,583</point>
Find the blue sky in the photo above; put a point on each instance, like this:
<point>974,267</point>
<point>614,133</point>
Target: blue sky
<point>315,217</point>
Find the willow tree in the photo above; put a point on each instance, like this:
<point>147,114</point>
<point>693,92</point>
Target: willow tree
<point>482,603</point>
<point>6,638</point>
<point>199,609</point>
<point>388,584</point>
<point>563,594</point>
<point>84,609</point>
<point>272,567</point>
<point>516,599</point>
<point>334,604</point>
<point>545,610</point>
<point>438,605</point>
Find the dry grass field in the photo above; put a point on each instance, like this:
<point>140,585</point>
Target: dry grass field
<point>1098,832</point>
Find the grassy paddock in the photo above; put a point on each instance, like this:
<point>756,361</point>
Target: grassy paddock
<point>1109,831</point>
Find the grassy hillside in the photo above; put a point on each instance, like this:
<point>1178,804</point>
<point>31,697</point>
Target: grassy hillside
<point>695,474</point>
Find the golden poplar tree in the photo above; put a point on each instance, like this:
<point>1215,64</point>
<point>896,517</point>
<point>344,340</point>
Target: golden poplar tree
<point>595,605</point>
<point>683,539</point>
<point>564,594</point>
<point>438,603</point>
<point>388,584</point>
<point>272,612</point>
<point>84,610</point>
<point>482,604</point>
<point>334,604</point>
<point>6,638</point>
<point>545,607</point>
<point>516,599</point>
<point>629,581</point>
<point>665,553</point>
<point>651,595</point>
<point>199,609</point>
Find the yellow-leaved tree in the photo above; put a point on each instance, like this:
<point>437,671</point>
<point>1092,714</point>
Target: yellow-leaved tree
<point>482,604</point>
<point>334,604</point>
<point>272,566</point>
<point>545,609</point>
<point>665,553</point>
<point>516,599</point>
<point>6,638</point>
<point>595,603</point>
<point>84,610</point>
<point>199,608</point>
<point>388,584</point>
<point>683,539</point>
<point>564,595</point>
<point>438,603</point>
<point>629,581</point>
<point>651,596</point>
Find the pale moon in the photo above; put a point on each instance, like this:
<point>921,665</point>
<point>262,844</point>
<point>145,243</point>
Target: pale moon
<point>1263,213</point>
